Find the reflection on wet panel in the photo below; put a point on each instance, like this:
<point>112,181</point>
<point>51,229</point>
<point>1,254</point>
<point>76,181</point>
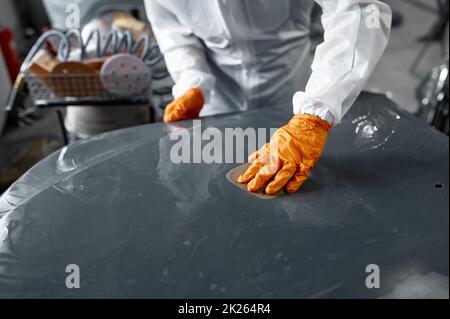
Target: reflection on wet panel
<point>140,226</point>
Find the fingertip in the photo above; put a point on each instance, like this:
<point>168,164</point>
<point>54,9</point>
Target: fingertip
<point>291,189</point>
<point>252,187</point>
<point>252,158</point>
<point>273,188</point>
<point>245,178</point>
<point>272,191</point>
<point>168,119</point>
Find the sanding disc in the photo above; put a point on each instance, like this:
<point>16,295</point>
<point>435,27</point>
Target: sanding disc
<point>72,68</point>
<point>125,75</point>
<point>95,64</point>
<point>67,83</point>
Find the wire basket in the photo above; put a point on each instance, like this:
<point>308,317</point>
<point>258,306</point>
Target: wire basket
<point>88,89</point>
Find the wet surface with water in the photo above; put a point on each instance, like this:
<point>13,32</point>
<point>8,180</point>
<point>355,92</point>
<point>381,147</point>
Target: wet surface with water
<point>138,225</point>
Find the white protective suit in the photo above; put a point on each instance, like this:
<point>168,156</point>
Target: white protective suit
<point>246,54</point>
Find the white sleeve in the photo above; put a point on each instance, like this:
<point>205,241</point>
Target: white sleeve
<point>183,51</point>
<point>356,35</point>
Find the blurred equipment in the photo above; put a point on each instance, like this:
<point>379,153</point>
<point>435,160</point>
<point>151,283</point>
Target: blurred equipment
<point>33,18</point>
<point>9,51</point>
<point>103,73</point>
<point>437,34</point>
<point>123,15</point>
<point>100,75</point>
<point>5,87</point>
<point>10,17</point>
<point>31,154</point>
<point>433,96</point>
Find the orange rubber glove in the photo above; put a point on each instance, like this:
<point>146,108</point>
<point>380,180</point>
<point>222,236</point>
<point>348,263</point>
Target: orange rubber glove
<point>186,107</point>
<point>289,158</point>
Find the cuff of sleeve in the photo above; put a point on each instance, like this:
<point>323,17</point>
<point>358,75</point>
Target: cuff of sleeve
<point>313,106</point>
<point>194,79</point>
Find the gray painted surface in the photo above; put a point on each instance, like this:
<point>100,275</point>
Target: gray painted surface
<point>140,226</point>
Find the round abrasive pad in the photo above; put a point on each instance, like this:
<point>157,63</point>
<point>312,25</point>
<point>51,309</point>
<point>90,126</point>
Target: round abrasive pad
<point>72,68</point>
<point>74,79</point>
<point>125,75</point>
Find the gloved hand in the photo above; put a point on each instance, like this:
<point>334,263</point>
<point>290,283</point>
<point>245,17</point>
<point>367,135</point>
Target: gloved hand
<point>186,107</point>
<point>289,158</point>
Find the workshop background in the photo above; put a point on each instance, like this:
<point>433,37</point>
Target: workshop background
<point>413,73</point>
